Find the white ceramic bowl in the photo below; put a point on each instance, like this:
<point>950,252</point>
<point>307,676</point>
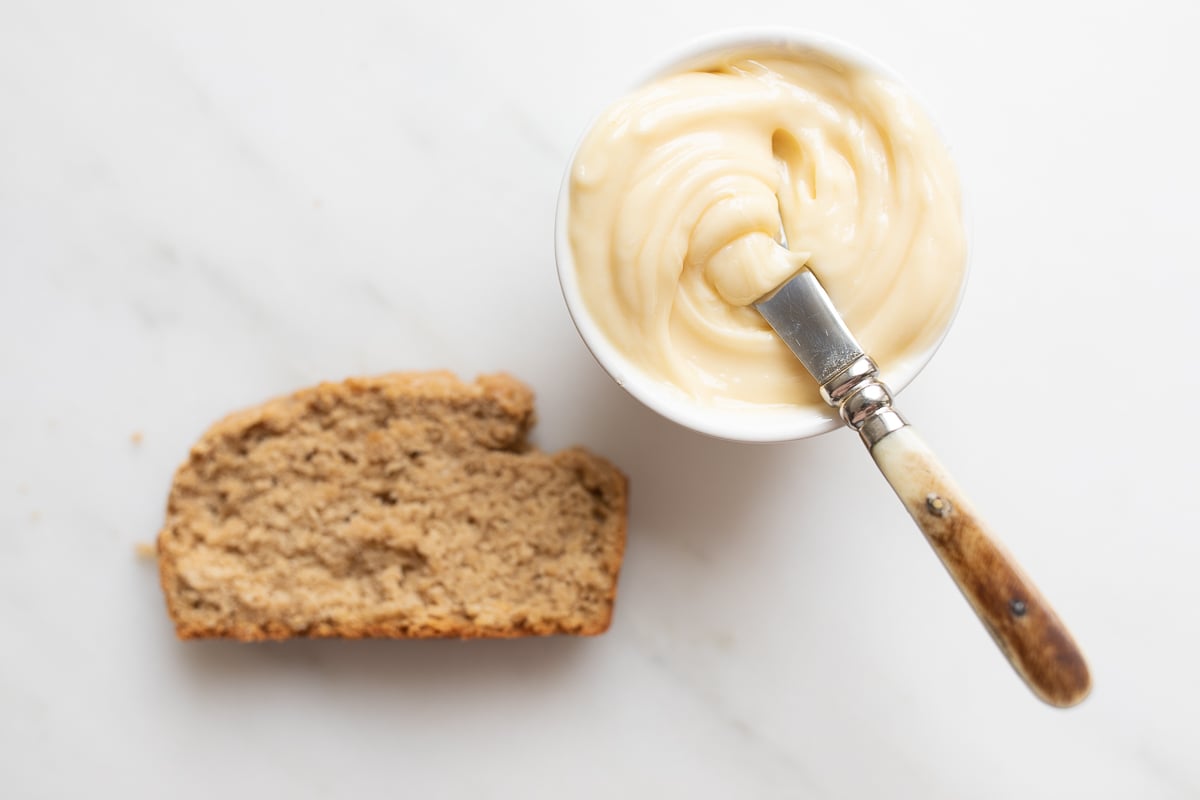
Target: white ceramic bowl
<point>748,423</point>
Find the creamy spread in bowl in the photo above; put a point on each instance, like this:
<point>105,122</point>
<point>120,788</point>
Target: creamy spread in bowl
<point>675,200</point>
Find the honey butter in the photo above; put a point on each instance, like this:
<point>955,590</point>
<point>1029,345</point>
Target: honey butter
<point>680,192</point>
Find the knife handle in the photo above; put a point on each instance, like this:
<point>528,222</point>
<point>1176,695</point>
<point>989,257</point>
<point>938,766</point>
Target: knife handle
<point>1023,624</point>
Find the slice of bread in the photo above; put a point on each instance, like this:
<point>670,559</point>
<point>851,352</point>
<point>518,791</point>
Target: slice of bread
<point>402,506</point>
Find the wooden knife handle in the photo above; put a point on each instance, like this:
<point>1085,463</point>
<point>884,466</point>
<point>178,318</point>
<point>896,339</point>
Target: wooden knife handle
<point>1020,620</point>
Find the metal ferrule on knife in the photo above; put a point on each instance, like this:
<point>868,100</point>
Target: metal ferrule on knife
<point>863,401</point>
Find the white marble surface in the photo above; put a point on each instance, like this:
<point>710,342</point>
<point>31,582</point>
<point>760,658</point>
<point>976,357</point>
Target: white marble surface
<point>205,204</point>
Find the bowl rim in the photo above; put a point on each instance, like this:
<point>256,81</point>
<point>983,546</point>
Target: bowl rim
<point>746,422</point>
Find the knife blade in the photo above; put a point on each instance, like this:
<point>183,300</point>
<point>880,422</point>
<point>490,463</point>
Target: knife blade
<point>804,317</point>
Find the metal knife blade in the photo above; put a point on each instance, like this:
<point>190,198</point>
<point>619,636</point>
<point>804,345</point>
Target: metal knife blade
<point>804,317</point>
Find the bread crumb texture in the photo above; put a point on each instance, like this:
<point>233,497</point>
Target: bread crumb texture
<point>400,506</point>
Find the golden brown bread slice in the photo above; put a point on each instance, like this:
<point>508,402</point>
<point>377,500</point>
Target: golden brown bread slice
<point>406,505</point>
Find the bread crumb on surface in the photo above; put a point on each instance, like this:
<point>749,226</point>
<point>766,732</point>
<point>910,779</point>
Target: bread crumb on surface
<point>401,506</point>
<point>146,550</point>
<point>136,438</point>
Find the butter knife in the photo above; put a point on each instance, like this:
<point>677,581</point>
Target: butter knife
<point>1022,623</point>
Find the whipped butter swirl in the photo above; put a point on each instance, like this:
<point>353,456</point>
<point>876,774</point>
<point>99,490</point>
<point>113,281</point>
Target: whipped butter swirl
<point>679,193</point>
